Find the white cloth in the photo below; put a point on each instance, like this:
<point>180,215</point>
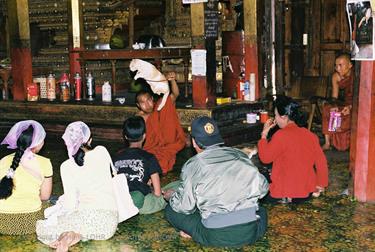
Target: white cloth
<point>156,80</point>
<point>76,134</point>
<point>88,205</point>
<point>125,205</point>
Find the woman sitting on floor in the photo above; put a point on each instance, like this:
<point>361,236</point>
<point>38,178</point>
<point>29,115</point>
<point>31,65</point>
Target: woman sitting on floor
<point>87,210</point>
<point>26,179</point>
<point>299,167</point>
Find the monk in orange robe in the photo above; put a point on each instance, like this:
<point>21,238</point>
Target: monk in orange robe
<point>342,93</point>
<point>164,134</point>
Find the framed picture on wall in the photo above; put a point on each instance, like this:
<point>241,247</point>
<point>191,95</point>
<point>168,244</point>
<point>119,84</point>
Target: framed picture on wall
<point>361,16</point>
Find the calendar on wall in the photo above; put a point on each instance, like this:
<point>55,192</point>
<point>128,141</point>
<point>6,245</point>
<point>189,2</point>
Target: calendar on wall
<point>361,26</point>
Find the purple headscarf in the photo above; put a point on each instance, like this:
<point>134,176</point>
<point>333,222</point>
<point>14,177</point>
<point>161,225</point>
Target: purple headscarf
<point>38,136</point>
<point>76,134</point>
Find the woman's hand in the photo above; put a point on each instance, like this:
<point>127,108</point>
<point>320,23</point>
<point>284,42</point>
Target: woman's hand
<point>346,110</point>
<point>269,124</point>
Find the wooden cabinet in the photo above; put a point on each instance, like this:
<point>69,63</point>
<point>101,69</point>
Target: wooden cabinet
<point>233,52</point>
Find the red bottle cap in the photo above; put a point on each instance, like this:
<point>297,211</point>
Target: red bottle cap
<point>64,78</point>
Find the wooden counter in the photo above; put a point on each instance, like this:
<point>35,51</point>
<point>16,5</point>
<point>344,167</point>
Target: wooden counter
<point>156,54</point>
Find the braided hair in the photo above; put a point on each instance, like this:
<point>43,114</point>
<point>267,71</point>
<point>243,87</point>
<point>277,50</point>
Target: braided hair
<point>79,157</point>
<point>287,106</point>
<point>23,142</point>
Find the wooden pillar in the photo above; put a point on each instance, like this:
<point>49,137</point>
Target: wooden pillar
<point>279,46</point>
<point>364,135</point>
<point>251,42</point>
<point>75,34</point>
<point>131,24</point>
<point>199,83</point>
<point>211,24</point>
<point>20,50</point>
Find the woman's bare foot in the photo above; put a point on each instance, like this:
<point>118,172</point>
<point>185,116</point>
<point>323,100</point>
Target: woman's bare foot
<point>184,235</point>
<point>319,190</point>
<point>326,146</point>
<point>66,240</point>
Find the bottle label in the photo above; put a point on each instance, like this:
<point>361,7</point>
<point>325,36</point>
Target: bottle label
<point>65,94</point>
<point>51,88</point>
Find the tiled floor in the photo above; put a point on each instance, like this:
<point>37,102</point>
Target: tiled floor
<point>329,223</point>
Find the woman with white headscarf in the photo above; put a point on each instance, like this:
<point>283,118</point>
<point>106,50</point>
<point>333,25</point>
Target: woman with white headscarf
<point>87,210</point>
<point>26,179</point>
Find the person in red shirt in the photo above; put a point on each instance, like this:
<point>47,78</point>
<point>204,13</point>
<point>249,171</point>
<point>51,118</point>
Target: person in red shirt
<point>299,166</point>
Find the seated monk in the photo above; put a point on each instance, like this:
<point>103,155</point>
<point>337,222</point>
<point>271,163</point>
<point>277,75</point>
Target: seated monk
<point>164,134</point>
<point>342,95</point>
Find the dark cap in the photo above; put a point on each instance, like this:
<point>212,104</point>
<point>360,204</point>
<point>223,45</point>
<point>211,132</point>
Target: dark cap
<point>205,131</point>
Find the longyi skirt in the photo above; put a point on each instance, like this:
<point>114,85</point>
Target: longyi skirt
<point>91,224</point>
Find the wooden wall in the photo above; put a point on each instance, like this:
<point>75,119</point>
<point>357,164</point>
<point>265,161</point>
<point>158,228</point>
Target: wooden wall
<point>308,67</point>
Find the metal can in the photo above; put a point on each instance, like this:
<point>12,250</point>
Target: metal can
<point>64,88</point>
<point>42,82</point>
<point>90,87</point>
<point>77,87</point>
<point>32,92</point>
<point>51,87</point>
<point>64,92</point>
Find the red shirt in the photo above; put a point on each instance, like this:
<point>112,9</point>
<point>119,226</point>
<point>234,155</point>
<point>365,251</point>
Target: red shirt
<point>299,164</point>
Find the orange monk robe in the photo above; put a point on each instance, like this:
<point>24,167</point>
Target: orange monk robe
<point>164,135</point>
<point>341,138</point>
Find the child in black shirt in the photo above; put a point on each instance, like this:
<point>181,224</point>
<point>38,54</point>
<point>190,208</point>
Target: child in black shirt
<point>140,167</point>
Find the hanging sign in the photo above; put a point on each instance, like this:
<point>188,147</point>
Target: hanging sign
<point>361,16</point>
<point>211,19</point>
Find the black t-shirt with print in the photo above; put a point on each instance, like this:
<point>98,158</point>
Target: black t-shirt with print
<point>138,166</point>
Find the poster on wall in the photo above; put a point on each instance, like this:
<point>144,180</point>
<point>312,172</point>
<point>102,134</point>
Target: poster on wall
<point>361,16</point>
<point>198,62</point>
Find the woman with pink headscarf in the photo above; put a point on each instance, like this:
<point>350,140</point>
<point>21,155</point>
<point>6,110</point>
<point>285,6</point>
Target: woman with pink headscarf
<point>87,210</point>
<point>26,179</point>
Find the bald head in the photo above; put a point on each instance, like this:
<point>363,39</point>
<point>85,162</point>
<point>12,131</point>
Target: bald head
<point>343,65</point>
<point>345,57</point>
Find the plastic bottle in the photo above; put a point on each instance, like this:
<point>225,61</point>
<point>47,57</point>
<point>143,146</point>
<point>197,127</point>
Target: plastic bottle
<point>247,91</point>
<point>77,87</point>
<point>252,87</point>
<point>90,87</point>
<point>64,88</point>
<point>51,87</point>
<point>240,89</point>
<point>106,92</point>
